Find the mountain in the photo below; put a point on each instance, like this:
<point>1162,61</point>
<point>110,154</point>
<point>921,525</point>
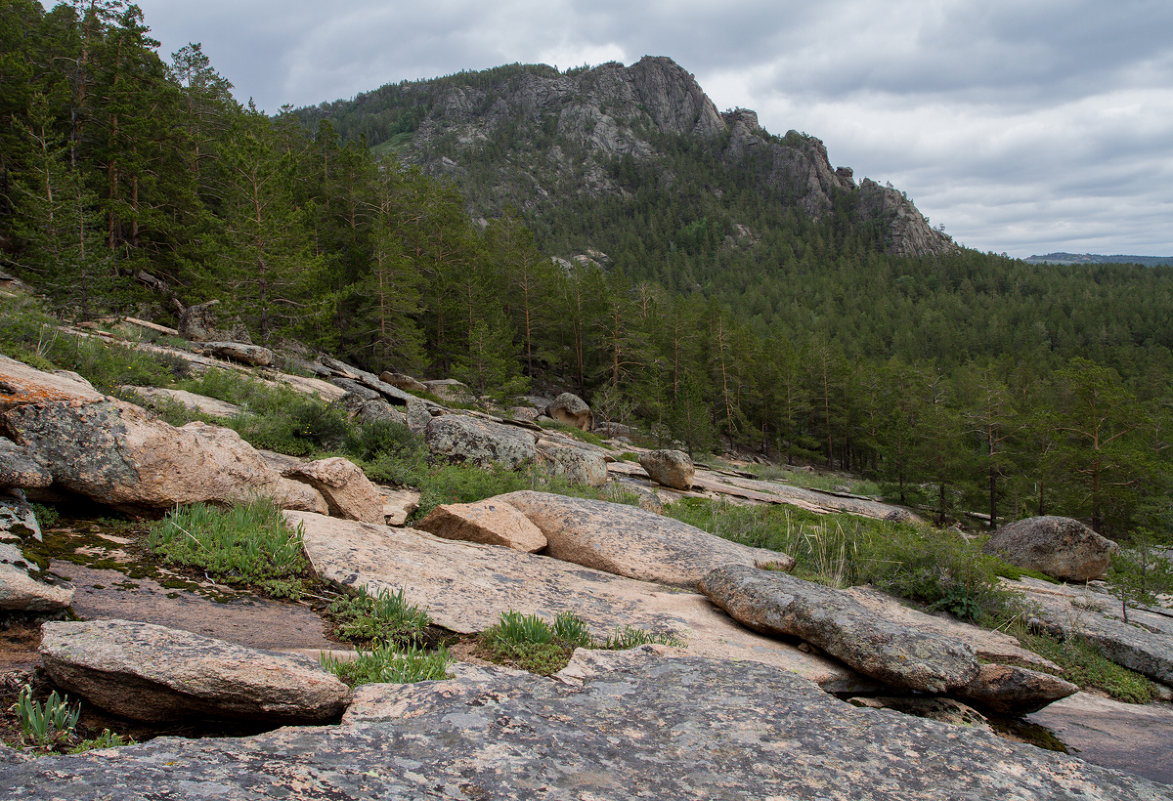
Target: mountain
<point>546,143</point>
<point>1089,258</point>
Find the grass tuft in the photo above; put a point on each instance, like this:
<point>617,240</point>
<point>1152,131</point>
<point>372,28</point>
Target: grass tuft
<point>383,618</point>
<point>387,663</point>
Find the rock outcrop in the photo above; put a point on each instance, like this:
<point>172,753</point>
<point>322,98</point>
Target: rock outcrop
<point>148,672</point>
<point>629,541</point>
<point>464,438</point>
<point>570,409</point>
<point>1061,547</point>
<point>671,468</point>
<point>488,522</point>
<point>577,465</point>
<point>347,491</point>
<point>673,728</point>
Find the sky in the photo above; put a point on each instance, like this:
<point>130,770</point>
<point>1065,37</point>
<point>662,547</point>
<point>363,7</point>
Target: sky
<point>1022,126</point>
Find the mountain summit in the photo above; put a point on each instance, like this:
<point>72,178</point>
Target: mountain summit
<point>543,141</point>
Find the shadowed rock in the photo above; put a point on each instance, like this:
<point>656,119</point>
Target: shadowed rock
<point>777,603</point>
<point>629,541</point>
<point>487,522</point>
<point>19,469</point>
<point>148,672</point>
<point>1012,690</point>
<point>570,409</point>
<point>670,468</point>
<point>1058,546</point>
<point>479,441</point>
<point>660,728</point>
<point>239,352</point>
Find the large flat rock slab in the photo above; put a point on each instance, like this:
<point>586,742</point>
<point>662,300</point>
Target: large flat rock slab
<point>1144,644</point>
<point>466,586</point>
<point>656,729</point>
<point>150,672</point>
<point>629,541</point>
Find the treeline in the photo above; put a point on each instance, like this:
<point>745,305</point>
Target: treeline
<point>967,382</point>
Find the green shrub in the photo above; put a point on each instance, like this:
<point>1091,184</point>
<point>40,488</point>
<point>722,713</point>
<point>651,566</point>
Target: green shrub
<point>570,628</point>
<point>384,618</point>
<point>247,544</point>
<point>1083,664</point>
<point>390,664</point>
<point>45,724</point>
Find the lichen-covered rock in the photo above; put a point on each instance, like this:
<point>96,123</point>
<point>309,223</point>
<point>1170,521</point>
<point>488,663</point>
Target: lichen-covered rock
<point>658,728</point>
<point>449,389</point>
<point>148,672</point>
<point>930,707</point>
<point>466,586</point>
<point>347,490</point>
<point>200,403</point>
<point>402,381</point>
<point>777,603</point>
<point>19,469</point>
<point>570,409</point>
<point>21,588</point>
<point>576,465</point>
<point>1061,547</point>
<point>629,541</point>
<point>468,439</point>
<point>671,468</point>
<point>488,522</point>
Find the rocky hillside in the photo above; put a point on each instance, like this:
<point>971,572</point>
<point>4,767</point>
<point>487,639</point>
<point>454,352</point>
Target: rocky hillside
<point>542,141</point>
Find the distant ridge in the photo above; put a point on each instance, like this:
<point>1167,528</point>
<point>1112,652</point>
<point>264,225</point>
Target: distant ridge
<point>1090,258</point>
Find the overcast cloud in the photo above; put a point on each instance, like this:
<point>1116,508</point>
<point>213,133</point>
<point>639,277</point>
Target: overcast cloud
<point>1021,126</point>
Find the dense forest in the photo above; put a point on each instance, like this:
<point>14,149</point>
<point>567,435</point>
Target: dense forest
<point>718,319</point>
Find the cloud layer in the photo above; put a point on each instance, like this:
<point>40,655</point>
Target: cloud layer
<point>1021,127</point>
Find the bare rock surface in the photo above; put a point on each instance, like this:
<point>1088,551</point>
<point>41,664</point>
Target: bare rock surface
<point>488,522</point>
<point>466,586</point>
<point>630,541</point>
<point>1013,690</point>
<point>402,381</point>
<point>449,389</point>
<point>347,490</point>
<point>18,468</point>
<point>21,586</point>
<point>117,454</point>
<point>479,441</point>
<point>777,603</point>
<point>200,403</point>
<point>671,468</point>
<point>576,464</point>
<point>570,409</point>
<point>1145,644</point>
<point>660,728</point>
<point>1128,737</point>
<point>1061,547</point>
<point>149,672</point>
<point>811,500</point>
<point>398,504</point>
<point>242,352</point>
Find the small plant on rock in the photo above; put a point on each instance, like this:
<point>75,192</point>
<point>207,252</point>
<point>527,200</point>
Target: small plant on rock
<point>384,617</point>
<point>45,724</point>
<point>387,663</point>
<point>631,637</point>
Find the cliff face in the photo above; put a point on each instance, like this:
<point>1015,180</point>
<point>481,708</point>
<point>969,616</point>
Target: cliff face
<point>532,138</point>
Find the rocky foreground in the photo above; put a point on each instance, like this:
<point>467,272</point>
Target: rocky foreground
<point>611,727</point>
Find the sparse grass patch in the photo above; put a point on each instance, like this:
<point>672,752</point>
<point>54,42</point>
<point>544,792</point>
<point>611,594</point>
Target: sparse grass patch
<point>390,664</point>
<point>247,544</point>
<point>932,567</point>
<point>631,637</point>
<point>574,431</point>
<point>1083,664</point>
<point>46,724</point>
<point>811,479</point>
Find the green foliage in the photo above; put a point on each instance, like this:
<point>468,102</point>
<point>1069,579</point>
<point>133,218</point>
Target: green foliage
<point>1084,665</point>
<point>632,637</point>
<point>387,663</point>
<point>107,739</point>
<point>45,724</point>
<point>1139,571</point>
<point>47,516</point>
<point>572,629</point>
<point>574,431</point>
<point>246,544</point>
<point>383,618</point>
<point>936,568</point>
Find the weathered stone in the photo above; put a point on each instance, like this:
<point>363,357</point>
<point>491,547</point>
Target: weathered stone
<point>930,707</point>
<point>658,728</point>
<point>1058,546</point>
<point>992,646</point>
<point>398,504</point>
<point>239,352</point>
<point>1012,690</point>
<point>22,591</point>
<point>449,389</point>
<point>629,541</point>
<point>347,490</point>
<point>668,467</point>
<point>576,465</point>
<point>402,381</point>
<point>19,469</point>
<point>570,409</point>
<point>149,672</point>
<point>465,587</point>
<point>488,522</point>
<point>1144,644</point>
<point>527,414</point>
<point>198,323</point>
<point>119,455</point>
<point>374,411</point>
<point>777,603</point>
<point>18,522</point>
<point>479,441</point>
<point>200,403</point>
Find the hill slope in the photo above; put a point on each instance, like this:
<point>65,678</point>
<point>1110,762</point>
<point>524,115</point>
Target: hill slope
<point>546,142</point>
